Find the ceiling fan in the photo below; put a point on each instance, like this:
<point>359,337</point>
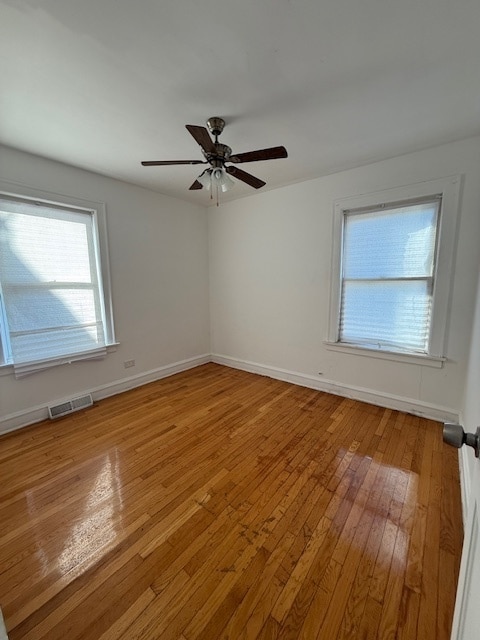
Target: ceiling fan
<point>217,154</point>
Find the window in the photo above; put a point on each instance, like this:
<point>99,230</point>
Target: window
<point>388,261</point>
<point>52,303</point>
<point>392,269</point>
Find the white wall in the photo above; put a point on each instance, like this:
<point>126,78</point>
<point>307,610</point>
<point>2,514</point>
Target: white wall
<point>270,267</point>
<point>159,272</point>
<point>270,263</point>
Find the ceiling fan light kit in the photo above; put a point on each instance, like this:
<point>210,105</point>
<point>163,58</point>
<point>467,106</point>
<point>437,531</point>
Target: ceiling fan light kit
<point>221,179</point>
<point>215,178</point>
<point>216,155</point>
<point>205,180</point>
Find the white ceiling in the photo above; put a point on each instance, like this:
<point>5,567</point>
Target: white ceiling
<point>104,84</point>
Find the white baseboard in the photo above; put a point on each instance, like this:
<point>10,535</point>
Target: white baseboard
<point>149,376</point>
<point>370,396</point>
<point>40,412</point>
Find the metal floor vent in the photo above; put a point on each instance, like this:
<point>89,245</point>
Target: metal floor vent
<point>69,406</point>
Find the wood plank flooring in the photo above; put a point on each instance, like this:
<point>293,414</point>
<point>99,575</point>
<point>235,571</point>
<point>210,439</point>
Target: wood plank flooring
<point>219,504</point>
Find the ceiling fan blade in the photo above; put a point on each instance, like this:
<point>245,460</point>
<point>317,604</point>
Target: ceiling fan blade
<point>254,182</point>
<point>154,163</point>
<point>202,137</point>
<point>195,185</point>
<point>262,154</point>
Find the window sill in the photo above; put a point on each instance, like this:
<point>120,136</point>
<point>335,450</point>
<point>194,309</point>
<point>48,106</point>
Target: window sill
<point>410,358</point>
<point>7,369</point>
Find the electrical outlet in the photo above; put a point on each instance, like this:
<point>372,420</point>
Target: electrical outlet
<point>129,363</point>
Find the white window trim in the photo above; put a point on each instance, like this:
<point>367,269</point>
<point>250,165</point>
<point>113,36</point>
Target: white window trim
<point>98,209</point>
<point>449,189</point>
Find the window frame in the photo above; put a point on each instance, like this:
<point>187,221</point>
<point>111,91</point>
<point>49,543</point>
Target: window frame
<point>99,223</point>
<point>449,191</point>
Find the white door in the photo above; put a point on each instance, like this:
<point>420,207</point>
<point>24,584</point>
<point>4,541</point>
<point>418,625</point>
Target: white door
<point>466,620</point>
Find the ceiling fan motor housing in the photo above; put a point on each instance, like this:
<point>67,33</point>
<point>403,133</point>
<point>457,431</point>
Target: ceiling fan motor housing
<point>222,154</point>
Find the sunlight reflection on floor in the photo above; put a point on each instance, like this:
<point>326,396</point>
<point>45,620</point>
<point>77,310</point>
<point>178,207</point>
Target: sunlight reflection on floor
<point>99,523</point>
<point>388,496</point>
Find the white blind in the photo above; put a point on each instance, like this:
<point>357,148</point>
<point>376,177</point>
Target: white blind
<point>387,280</point>
<point>50,283</point>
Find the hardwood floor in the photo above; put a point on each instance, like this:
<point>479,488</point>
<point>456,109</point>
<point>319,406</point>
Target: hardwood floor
<point>220,504</point>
